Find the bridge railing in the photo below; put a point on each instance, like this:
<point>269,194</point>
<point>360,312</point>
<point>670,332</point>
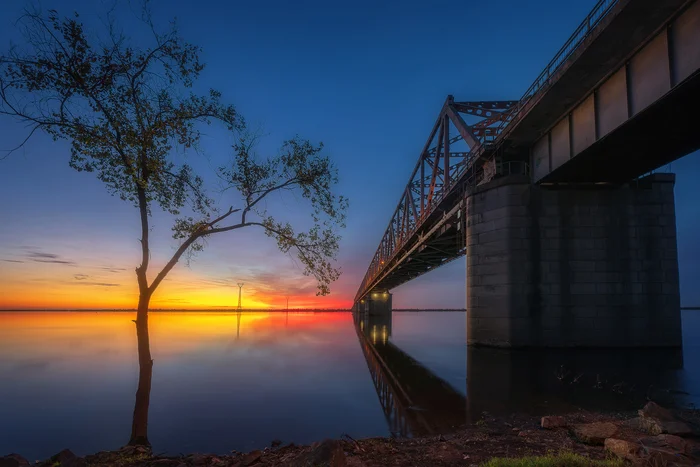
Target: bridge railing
<point>584,30</point>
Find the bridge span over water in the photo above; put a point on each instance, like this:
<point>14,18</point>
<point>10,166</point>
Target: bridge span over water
<point>570,241</point>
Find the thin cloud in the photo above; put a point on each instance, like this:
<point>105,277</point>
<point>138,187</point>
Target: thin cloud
<point>80,277</point>
<point>97,284</point>
<point>11,261</point>
<point>114,270</point>
<point>41,257</point>
<point>54,261</point>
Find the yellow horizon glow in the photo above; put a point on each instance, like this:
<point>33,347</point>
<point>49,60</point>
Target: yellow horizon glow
<point>29,287</point>
<point>21,294</point>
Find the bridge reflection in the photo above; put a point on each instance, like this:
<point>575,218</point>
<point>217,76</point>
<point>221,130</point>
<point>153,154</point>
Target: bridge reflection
<point>415,401</point>
<point>503,382</point>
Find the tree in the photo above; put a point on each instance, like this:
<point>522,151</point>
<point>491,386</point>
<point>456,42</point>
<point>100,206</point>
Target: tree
<point>125,109</point>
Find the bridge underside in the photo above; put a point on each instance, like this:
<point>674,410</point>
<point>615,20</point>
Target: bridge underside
<point>662,133</point>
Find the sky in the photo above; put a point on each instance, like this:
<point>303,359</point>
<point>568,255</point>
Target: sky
<point>366,78</point>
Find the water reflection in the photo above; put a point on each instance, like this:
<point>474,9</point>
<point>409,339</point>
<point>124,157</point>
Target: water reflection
<point>415,401</point>
<point>559,380</point>
<point>225,381</point>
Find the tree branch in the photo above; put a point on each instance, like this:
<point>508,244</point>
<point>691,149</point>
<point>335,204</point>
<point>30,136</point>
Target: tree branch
<point>183,248</point>
<point>289,182</point>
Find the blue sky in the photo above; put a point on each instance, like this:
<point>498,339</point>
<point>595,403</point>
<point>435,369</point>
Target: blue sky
<point>366,78</point>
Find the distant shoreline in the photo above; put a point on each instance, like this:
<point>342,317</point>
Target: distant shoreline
<point>249,310</point>
<point>245,310</point>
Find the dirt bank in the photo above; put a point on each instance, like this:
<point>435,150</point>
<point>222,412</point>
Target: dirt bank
<point>654,436</point>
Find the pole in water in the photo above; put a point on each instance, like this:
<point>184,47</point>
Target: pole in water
<point>240,288</point>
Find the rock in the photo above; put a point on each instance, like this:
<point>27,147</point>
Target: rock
<point>594,433</point>
<point>13,460</point>
<point>656,426</point>
<point>199,460</point>
<point>658,456</point>
<point>657,420</point>
<point>276,442</point>
<point>65,458</point>
<point>522,434</point>
<point>654,410</point>
<point>657,450</point>
<point>623,449</point>
<point>251,458</point>
<point>329,453</point>
<point>553,421</point>
<point>671,441</point>
<point>143,450</point>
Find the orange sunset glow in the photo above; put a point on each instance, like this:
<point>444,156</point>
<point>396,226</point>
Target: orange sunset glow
<point>171,333</point>
<point>30,285</point>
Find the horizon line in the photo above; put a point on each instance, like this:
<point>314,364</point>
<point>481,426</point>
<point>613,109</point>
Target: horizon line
<point>217,309</point>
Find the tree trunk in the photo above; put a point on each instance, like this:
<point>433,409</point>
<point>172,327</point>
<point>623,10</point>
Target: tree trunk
<point>139,427</point>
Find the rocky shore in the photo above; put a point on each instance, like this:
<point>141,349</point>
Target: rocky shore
<point>654,436</point>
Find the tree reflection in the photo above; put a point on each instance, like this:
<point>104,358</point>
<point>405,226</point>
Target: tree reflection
<point>139,426</point>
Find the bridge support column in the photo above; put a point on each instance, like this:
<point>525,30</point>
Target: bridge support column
<point>572,267</point>
<point>376,302</point>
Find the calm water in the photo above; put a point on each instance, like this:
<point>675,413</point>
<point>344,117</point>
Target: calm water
<point>228,381</point>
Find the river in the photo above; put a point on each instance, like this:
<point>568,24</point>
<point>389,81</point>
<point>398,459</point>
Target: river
<point>225,381</point>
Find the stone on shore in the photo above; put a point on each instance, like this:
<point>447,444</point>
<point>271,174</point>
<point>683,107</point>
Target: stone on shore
<point>623,448</point>
<point>657,420</point>
<point>553,421</point>
<point>594,433</point>
<point>65,458</point>
<point>329,453</point>
<point>657,450</point>
<point>13,460</point>
<point>251,458</point>
<point>670,441</point>
<point>654,410</point>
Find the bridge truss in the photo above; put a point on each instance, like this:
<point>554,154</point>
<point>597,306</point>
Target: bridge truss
<point>446,165</point>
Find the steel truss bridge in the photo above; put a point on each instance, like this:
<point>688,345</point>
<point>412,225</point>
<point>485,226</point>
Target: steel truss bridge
<point>473,142</point>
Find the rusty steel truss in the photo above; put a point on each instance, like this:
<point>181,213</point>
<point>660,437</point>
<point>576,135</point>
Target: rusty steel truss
<point>425,230</point>
<point>419,236</point>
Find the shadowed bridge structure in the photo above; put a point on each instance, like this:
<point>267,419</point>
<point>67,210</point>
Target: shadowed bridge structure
<point>570,241</point>
<point>414,400</point>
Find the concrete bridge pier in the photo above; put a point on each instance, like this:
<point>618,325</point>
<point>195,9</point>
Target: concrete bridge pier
<point>567,267</point>
<point>376,302</point>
